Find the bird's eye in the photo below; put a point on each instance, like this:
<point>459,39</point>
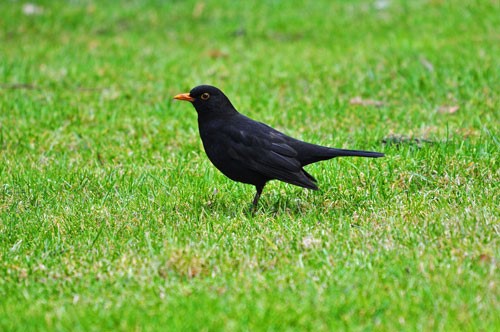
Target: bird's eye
<point>205,96</point>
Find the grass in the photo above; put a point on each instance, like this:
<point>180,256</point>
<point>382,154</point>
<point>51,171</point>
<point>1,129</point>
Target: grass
<point>112,218</point>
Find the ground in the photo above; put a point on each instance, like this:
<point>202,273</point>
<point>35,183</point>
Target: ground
<point>112,217</point>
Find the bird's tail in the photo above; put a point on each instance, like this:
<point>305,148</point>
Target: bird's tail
<point>316,153</point>
<point>353,153</point>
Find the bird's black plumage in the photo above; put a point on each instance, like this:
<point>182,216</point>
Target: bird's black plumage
<point>252,152</point>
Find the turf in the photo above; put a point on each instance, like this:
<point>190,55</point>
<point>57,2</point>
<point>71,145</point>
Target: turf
<point>112,218</point>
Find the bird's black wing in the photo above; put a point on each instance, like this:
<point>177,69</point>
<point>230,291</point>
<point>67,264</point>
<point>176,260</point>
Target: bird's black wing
<point>265,150</point>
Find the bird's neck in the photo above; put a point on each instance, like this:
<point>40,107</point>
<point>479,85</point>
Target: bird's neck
<point>216,115</point>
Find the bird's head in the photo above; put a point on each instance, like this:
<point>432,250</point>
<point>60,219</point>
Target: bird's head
<point>207,99</point>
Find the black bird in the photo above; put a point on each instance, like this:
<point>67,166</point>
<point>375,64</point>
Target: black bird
<point>251,152</point>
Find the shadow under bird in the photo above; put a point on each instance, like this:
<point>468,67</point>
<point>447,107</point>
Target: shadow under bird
<point>251,152</point>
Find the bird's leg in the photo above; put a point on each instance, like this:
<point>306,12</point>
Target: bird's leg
<point>256,198</point>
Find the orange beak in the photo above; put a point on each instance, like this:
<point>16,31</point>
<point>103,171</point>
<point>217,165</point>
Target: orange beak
<point>184,96</point>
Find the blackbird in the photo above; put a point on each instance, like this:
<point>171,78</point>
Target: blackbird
<point>251,152</point>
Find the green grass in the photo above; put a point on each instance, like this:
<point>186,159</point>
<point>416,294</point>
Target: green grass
<point>112,218</point>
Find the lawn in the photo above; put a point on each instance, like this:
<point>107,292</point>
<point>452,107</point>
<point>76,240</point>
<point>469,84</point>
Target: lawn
<point>112,218</point>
